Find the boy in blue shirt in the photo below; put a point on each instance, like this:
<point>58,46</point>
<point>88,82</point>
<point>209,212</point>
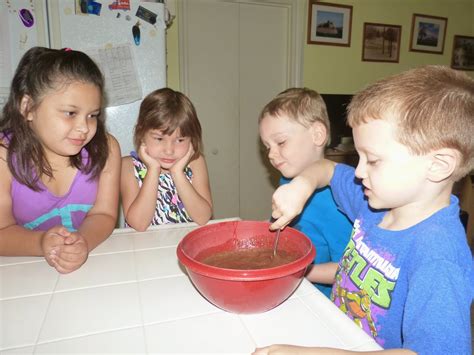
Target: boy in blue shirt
<point>294,127</point>
<point>406,276</point>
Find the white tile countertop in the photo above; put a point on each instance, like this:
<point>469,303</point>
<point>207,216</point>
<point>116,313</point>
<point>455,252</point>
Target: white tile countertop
<point>132,295</point>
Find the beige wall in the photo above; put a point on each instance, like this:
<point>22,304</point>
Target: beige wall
<point>336,70</point>
<point>172,50</point>
<point>332,69</point>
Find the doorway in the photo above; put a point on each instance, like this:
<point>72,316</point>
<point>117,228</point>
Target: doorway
<point>235,57</point>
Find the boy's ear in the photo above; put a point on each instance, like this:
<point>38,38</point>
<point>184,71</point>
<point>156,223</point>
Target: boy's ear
<point>25,107</point>
<point>443,164</point>
<point>318,133</point>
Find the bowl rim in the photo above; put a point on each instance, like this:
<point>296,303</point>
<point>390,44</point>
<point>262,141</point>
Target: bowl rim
<point>250,274</point>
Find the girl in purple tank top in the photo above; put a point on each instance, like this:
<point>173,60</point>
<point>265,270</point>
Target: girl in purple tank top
<point>59,169</point>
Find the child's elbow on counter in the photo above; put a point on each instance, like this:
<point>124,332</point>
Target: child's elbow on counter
<point>139,227</point>
<point>203,219</point>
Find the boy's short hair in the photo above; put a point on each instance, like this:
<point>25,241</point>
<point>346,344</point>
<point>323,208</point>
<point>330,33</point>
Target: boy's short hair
<point>303,105</point>
<point>432,106</point>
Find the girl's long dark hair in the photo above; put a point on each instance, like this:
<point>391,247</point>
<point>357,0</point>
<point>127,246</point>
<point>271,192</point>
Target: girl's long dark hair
<point>39,71</point>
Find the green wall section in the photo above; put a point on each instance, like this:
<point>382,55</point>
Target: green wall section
<point>340,70</point>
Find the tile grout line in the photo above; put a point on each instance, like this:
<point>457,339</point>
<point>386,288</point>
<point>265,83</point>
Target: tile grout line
<point>182,318</point>
<point>116,283</point>
<point>84,335</point>
<point>247,330</point>
<point>140,304</point>
<point>45,314</point>
<point>322,320</point>
<point>26,295</point>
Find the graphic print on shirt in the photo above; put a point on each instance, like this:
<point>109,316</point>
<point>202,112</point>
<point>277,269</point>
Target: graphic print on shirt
<point>365,281</point>
<point>169,207</point>
<point>65,213</point>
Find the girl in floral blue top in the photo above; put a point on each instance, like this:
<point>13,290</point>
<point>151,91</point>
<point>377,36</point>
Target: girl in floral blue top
<point>167,180</point>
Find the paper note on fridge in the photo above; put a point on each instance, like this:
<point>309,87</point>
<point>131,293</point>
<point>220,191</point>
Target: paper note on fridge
<point>120,72</point>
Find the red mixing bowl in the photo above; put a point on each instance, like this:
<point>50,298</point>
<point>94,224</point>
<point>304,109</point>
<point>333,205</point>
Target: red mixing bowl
<point>244,291</point>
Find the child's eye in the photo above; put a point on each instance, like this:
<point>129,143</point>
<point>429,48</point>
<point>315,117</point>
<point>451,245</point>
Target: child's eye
<point>94,115</point>
<point>282,143</point>
<point>373,162</point>
<point>69,113</point>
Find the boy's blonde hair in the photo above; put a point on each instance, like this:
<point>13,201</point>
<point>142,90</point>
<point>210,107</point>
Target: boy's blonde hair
<point>303,105</point>
<point>432,106</point>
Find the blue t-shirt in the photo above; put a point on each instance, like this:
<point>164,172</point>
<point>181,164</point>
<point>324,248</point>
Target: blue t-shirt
<point>408,289</point>
<point>327,227</point>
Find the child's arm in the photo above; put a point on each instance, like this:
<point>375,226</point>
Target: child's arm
<point>196,197</point>
<point>99,222</point>
<point>102,217</point>
<point>139,204</point>
<point>324,273</point>
<point>288,200</point>
<point>64,250</point>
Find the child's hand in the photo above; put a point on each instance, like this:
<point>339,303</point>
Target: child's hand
<point>70,254</point>
<point>52,240</point>
<point>288,201</point>
<point>149,161</point>
<point>287,349</point>
<point>181,164</point>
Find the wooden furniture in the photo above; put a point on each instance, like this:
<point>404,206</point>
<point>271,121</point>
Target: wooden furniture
<point>133,296</point>
<point>347,157</point>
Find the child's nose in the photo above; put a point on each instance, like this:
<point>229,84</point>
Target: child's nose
<point>169,148</point>
<point>360,171</point>
<point>82,125</point>
<point>272,153</point>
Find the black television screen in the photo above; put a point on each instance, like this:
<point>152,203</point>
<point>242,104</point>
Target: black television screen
<point>336,105</point>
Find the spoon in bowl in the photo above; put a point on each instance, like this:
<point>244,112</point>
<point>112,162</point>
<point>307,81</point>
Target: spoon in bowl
<point>275,245</point>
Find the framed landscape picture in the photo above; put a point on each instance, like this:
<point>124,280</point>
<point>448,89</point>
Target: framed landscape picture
<point>381,42</point>
<point>463,53</point>
<point>428,33</point>
<point>329,24</point>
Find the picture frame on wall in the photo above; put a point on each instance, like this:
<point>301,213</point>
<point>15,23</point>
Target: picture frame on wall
<point>329,24</point>
<point>381,42</point>
<point>428,33</point>
<point>463,53</point>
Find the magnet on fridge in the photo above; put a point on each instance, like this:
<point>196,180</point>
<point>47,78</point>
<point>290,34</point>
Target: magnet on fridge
<point>83,6</point>
<point>120,5</point>
<point>146,15</point>
<point>136,33</point>
<point>94,7</point>
<point>26,17</point>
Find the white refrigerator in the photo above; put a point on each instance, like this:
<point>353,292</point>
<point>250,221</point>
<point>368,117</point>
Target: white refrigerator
<point>125,37</point>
